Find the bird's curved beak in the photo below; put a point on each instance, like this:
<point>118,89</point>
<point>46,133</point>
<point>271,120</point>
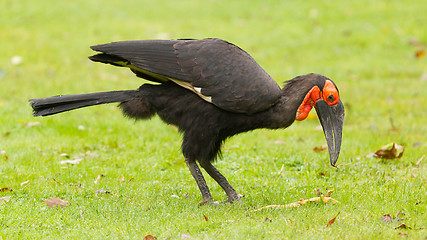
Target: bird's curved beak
<point>332,120</point>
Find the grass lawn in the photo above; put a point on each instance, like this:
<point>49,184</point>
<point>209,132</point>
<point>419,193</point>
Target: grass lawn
<point>367,47</point>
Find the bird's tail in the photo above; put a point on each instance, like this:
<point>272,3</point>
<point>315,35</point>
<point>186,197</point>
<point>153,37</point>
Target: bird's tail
<point>58,104</point>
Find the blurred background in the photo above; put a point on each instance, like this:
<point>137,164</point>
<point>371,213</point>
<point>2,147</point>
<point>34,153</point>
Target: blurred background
<point>373,50</point>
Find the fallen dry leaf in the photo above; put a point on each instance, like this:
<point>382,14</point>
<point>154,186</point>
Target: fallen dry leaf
<point>75,161</point>
<point>203,202</point>
<point>398,215</point>
<point>6,189</point>
<point>419,160</point>
<point>386,218</point>
<point>332,220</point>
<point>342,165</point>
<point>186,236</point>
<point>33,124</point>
<point>390,151</point>
<point>16,60</point>
<point>403,234</point>
<point>56,202</point>
<point>269,206</point>
<point>76,185</point>
<point>321,148</point>
<point>4,199</point>
<point>25,183</point>
<point>420,54</point>
<point>57,181</point>
<point>324,199</point>
<point>130,180</point>
<point>98,178</point>
<point>150,237</point>
<point>402,226</point>
<point>280,142</point>
<point>328,193</point>
<point>206,218</point>
<point>101,191</point>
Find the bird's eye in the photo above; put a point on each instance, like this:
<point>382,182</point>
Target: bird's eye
<point>331,98</point>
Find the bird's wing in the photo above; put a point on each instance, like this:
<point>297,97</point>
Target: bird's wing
<point>218,71</point>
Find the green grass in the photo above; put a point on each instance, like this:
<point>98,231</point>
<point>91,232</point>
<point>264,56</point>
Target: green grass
<point>367,47</point>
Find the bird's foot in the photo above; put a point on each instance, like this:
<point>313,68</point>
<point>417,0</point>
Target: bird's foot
<point>237,198</point>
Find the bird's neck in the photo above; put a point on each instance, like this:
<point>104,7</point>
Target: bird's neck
<point>283,113</point>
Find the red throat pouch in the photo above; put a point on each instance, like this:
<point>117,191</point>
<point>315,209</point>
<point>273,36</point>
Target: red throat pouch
<point>306,105</point>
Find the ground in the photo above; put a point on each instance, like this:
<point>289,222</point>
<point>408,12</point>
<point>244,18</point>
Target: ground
<point>373,50</point>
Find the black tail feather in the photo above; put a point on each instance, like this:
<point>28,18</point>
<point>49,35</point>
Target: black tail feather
<point>110,59</point>
<point>58,104</point>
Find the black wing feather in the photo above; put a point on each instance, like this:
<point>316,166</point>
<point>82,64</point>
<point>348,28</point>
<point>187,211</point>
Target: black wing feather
<point>155,56</point>
<point>223,71</point>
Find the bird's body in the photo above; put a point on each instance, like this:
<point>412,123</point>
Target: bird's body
<point>204,125</point>
<point>211,90</point>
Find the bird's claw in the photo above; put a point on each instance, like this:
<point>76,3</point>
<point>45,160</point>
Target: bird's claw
<point>238,198</point>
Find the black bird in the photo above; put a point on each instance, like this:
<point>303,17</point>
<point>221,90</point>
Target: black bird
<point>211,90</point>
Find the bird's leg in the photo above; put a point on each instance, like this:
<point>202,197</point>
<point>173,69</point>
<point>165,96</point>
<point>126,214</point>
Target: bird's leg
<point>222,181</point>
<point>198,176</point>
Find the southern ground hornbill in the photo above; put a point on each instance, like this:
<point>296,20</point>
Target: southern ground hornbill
<point>211,90</point>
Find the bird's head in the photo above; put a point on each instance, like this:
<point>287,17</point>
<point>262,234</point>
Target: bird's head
<point>325,98</point>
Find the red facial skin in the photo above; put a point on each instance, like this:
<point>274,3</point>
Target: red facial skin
<point>329,94</point>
